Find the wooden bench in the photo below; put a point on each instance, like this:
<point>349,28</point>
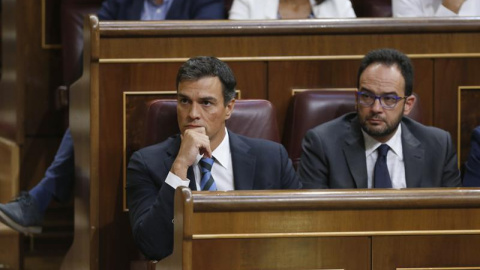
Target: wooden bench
<point>127,64</point>
<point>355,229</point>
<point>10,240</point>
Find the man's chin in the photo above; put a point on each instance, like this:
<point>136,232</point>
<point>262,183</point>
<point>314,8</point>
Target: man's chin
<point>375,131</point>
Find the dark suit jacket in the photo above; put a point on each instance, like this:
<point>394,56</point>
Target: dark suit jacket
<point>257,164</point>
<point>131,10</point>
<point>333,156</point>
<point>471,178</point>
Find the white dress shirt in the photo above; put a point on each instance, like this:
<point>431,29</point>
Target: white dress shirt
<point>432,8</point>
<point>268,9</point>
<point>222,169</point>
<point>395,163</point>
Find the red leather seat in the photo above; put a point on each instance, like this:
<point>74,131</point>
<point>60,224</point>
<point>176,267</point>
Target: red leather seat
<point>251,117</point>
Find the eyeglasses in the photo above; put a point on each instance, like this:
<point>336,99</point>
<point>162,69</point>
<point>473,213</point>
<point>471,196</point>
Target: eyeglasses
<point>388,101</point>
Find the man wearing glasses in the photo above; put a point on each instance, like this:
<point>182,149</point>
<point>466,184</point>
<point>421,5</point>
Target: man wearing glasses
<point>376,146</point>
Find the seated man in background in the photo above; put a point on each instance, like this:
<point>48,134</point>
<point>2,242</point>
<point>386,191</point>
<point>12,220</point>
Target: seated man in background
<point>205,156</point>
<point>290,9</point>
<point>471,177</point>
<point>25,213</point>
<point>162,10</point>
<point>376,146</point>
<point>435,8</point>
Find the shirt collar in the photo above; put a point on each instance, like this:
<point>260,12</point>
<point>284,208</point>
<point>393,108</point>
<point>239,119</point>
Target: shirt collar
<point>395,143</point>
<point>222,153</point>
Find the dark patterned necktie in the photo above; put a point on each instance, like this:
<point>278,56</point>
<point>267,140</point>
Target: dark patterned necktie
<point>381,177</point>
<point>207,182</point>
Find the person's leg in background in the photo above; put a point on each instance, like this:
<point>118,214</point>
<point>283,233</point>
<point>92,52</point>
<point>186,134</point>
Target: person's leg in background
<point>25,213</point>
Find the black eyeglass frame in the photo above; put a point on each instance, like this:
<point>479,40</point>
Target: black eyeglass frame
<point>375,97</point>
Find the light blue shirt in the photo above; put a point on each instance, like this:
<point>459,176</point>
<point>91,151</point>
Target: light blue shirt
<point>154,12</point>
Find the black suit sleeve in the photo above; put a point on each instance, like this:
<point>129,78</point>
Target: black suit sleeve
<point>208,10</point>
<point>150,208</point>
<point>289,176</point>
<point>109,10</point>
<point>472,166</point>
<point>313,168</point>
<point>451,174</point>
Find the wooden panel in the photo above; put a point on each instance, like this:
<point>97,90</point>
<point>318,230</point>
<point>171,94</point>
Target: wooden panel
<point>251,78</point>
<point>10,240</point>
<point>274,38</point>
<point>10,249</point>
<point>51,24</point>
<point>423,86</point>
<point>451,75</point>
<point>447,252</point>
<point>339,221</point>
<point>283,46</point>
<point>287,253</point>
<point>39,73</point>
<point>9,169</point>
<point>10,91</point>
<point>374,229</point>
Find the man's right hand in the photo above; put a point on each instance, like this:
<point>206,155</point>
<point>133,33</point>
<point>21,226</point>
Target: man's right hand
<point>194,141</point>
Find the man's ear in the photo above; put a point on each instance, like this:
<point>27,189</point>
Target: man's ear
<point>229,108</point>
<point>409,103</point>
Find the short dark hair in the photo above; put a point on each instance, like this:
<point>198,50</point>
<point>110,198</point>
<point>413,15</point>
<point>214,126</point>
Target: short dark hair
<point>208,66</point>
<point>389,57</point>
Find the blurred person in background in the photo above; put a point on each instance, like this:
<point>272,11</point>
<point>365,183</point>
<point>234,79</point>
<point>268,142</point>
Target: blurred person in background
<point>435,8</point>
<point>290,9</point>
<point>471,177</point>
<point>162,10</point>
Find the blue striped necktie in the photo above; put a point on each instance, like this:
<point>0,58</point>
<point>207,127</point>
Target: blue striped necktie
<point>381,176</point>
<point>207,182</point>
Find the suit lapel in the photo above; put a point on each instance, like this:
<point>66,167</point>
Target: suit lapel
<point>135,12</point>
<point>354,150</point>
<point>172,153</point>
<point>414,158</point>
<point>176,6</point>
<point>243,163</point>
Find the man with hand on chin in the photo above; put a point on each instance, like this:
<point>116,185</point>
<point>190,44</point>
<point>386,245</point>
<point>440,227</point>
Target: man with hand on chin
<point>377,146</point>
<point>205,156</point>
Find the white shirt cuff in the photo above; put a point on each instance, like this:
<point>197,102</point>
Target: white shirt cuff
<point>174,181</point>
